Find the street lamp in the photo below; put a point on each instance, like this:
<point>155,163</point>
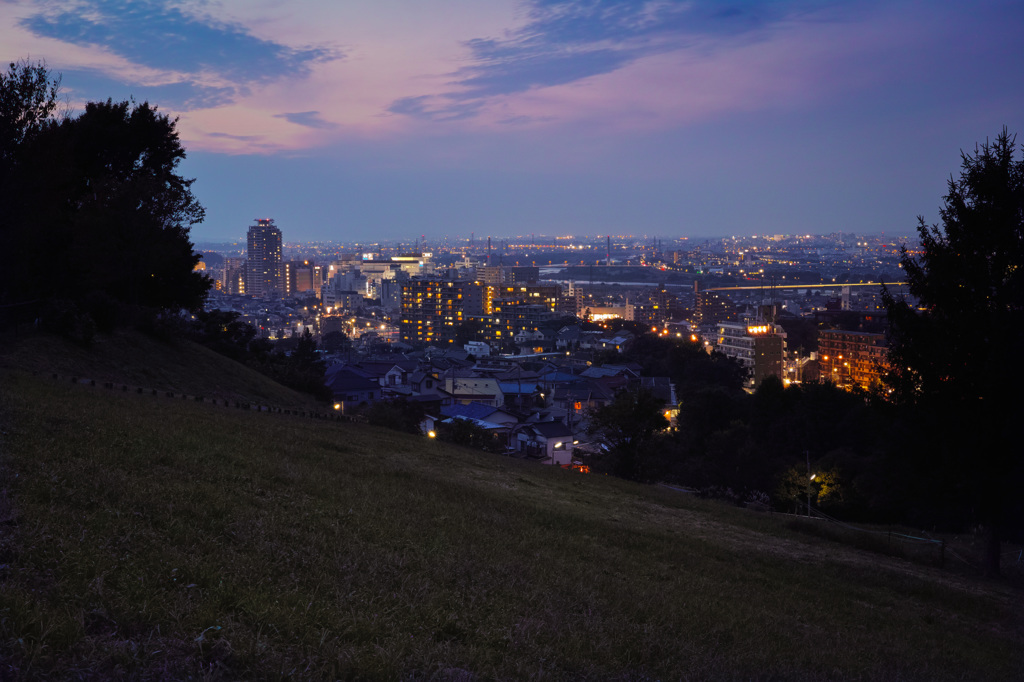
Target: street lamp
<point>809,481</point>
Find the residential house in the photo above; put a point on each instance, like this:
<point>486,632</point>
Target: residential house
<point>465,387</point>
<point>351,389</point>
<point>549,442</point>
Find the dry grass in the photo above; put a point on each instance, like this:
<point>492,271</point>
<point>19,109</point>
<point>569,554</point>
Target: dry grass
<point>129,357</point>
<point>144,538</point>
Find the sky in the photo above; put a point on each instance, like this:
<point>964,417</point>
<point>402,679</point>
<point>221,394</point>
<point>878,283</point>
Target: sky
<point>380,120</point>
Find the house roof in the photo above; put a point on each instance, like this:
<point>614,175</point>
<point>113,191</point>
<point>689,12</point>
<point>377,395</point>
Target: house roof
<point>470,410</point>
<point>378,369</point>
<point>594,372</point>
<point>660,387</point>
<point>461,373</point>
<point>482,423</point>
<point>633,367</point>
<point>346,380</point>
<point>551,429</point>
<point>344,367</point>
<point>560,377</point>
<point>515,375</point>
<point>513,387</point>
<point>576,392</point>
<point>417,398</point>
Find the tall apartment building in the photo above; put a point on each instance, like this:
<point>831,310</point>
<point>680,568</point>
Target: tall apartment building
<point>655,306</point>
<point>850,359</point>
<point>571,300</point>
<point>507,274</point>
<point>263,265</point>
<point>525,294</point>
<point>710,307</point>
<point>433,310</point>
<point>234,275</point>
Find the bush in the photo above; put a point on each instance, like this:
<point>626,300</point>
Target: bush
<point>63,317</point>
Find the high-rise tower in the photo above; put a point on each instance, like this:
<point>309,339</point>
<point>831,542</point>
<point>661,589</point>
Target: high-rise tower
<point>263,271</point>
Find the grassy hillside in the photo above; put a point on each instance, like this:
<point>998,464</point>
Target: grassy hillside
<point>129,357</point>
<point>147,538</point>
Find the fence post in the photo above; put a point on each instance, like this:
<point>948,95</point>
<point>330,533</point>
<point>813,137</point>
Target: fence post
<point>942,554</point>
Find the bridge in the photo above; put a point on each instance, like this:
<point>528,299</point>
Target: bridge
<point>833,285</point>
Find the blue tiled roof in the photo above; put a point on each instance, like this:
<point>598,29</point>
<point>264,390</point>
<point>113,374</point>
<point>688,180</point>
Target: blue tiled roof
<point>472,410</point>
<point>482,423</point>
<point>553,377</point>
<point>517,386</point>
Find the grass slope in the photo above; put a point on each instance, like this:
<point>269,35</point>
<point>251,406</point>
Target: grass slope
<point>146,538</point>
<point>136,359</point>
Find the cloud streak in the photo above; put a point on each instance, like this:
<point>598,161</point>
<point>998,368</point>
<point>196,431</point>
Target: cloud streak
<point>566,41</point>
<point>308,119</point>
<point>204,62</point>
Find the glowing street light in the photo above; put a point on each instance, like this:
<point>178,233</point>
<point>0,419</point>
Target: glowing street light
<point>813,476</point>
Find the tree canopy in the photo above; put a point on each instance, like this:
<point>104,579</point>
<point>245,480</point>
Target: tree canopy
<point>630,424</point>
<point>28,100</point>
<point>94,203</point>
<point>950,344</point>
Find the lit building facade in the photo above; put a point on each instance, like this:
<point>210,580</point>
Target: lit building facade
<point>264,277</point>
<point>522,294</point>
<point>655,306</point>
<point>758,346</point>
<point>301,277</point>
<point>433,310</point>
<point>850,359</point>
<point>711,307</point>
<point>234,275</point>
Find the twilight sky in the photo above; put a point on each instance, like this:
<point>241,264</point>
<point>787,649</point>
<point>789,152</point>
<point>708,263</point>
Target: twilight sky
<point>383,120</point>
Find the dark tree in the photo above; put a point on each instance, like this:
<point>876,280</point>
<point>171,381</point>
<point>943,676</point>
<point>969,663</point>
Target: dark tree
<point>94,203</point>
<point>949,352</point>
<point>223,332</point>
<point>465,432</point>
<point>305,356</point>
<point>28,101</point>
<point>688,365</point>
<point>333,342</point>
<point>631,424</point>
<point>128,210</point>
<point>398,414</point>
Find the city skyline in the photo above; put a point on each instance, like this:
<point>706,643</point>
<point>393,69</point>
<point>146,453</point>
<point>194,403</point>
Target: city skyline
<point>382,121</point>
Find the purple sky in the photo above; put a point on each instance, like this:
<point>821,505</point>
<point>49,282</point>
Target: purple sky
<point>383,120</point>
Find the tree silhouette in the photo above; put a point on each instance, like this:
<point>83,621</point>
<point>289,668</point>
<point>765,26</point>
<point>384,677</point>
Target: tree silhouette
<point>949,352</point>
<point>94,203</point>
<point>631,424</point>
